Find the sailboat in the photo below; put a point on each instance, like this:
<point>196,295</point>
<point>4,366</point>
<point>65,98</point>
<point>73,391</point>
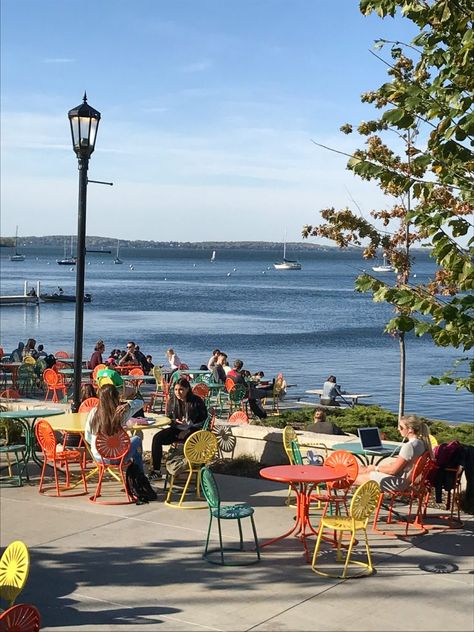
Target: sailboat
<point>67,260</point>
<point>287,264</point>
<point>17,256</point>
<point>213,257</point>
<point>117,259</point>
<point>385,267</point>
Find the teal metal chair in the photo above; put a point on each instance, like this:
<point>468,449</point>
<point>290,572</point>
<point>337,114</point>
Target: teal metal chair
<point>228,512</point>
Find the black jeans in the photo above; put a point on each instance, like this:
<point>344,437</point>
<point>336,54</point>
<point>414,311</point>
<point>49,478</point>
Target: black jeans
<point>164,437</point>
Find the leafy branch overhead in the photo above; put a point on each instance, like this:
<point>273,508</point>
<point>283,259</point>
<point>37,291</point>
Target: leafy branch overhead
<point>426,108</point>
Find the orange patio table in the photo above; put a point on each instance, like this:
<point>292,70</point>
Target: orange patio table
<point>302,479</point>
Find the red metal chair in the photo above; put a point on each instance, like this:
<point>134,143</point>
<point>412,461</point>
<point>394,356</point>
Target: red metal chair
<point>112,451</point>
<point>10,393</point>
<point>61,354</point>
<point>47,441</point>
<point>20,618</point>
<point>53,384</point>
<point>201,390</point>
<point>417,491</point>
<point>239,417</point>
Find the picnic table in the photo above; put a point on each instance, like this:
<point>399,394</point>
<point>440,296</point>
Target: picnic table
<point>354,397</point>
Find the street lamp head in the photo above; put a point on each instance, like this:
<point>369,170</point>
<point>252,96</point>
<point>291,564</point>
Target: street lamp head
<point>84,122</point>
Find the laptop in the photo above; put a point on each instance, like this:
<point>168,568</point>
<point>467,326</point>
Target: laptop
<point>371,441</point>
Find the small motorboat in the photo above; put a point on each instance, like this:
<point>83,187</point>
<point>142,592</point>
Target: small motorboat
<point>57,297</point>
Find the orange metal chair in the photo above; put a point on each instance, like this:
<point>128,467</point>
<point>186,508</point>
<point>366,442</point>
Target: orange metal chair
<point>47,441</point>
<point>112,451</point>
<point>337,492</point>
<point>98,368</point>
<point>239,417</point>
<point>88,404</point>
<point>54,384</point>
<point>61,354</point>
<point>417,491</point>
<point>20,618</point>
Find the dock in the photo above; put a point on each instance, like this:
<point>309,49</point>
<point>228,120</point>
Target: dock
<point>27,298</point>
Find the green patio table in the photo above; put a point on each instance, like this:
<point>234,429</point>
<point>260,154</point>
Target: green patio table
<point>28,418</point>
<point>367,457</point>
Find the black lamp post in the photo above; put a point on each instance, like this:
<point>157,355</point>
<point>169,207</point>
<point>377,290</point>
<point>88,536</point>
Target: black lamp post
<point>84,122</point>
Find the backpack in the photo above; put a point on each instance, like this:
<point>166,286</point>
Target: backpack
<point>138,485</point>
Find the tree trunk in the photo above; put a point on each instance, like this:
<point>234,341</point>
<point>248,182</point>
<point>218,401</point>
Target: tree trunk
<point>401,401</point>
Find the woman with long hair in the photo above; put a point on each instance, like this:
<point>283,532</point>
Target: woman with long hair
<point>395,476</point>
<point>108,417</point>
<point>188,413</point>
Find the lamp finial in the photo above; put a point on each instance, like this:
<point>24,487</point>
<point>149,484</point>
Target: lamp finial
<point>85,97</point>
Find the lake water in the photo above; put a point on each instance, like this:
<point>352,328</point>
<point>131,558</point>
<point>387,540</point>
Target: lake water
<point>308,324</point>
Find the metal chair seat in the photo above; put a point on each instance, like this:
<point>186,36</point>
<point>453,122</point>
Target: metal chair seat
<point>233,512</point>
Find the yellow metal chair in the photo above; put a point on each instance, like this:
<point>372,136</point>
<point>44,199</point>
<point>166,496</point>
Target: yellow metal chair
<point>14,569</point>
<point>199,450</point>
<point>433,441</point>
<point>363,504</point>
<point>289,435</point>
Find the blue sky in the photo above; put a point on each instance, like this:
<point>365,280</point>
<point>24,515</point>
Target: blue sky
<point>208,111</point>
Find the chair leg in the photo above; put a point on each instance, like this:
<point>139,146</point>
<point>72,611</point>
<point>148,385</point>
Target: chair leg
<point>349,552</point>
<point>367,548</point>
<point>43,469</point>
<point>240,535</point>
<point>377,511</point>
<point>208,536</point>
<point>257,546</point>
<point>99,482</point>
<point>317,545</point>
<point>56,478</point>
<point>186,485</point>
<point>220,540</point>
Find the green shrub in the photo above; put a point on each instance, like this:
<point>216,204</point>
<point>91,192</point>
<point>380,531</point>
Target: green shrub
<point>349,419</point>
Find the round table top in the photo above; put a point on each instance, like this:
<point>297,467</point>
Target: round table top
<point>76,422</point>
<point>136,378</point>
<point>71,371</point>
<point>356,448</point>
<point>303,473</point>
<point>194,371</point>
<point>30,414</point>
<point>65,360</point>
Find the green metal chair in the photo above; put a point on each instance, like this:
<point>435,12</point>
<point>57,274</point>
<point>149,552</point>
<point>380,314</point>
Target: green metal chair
<point>26,381</point>
<point>228,512</point>
<point>10,433</point>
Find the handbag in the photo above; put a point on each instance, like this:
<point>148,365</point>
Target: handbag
<point>176,464</point>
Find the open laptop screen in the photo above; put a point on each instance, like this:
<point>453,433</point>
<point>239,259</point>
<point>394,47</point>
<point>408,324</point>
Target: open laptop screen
<point>370,438</point>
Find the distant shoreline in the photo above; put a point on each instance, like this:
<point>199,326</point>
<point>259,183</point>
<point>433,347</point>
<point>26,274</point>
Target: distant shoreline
<point>57,241</point>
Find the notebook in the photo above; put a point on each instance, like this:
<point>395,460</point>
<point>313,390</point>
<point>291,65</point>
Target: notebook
<point>370,440</point>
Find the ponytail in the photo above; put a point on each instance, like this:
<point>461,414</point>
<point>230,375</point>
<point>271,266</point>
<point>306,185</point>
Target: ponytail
<point>421,430</point>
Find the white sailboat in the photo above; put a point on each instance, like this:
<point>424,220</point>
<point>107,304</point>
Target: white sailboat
<point>117,259</point>
<point>67,260</point>
<point>17,256</point>
<point>213,257</point>
<point>287,264</point>
<point>385,267</point>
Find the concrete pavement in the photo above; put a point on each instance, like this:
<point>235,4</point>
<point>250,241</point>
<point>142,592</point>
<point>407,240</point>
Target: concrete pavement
<point>120,568</point>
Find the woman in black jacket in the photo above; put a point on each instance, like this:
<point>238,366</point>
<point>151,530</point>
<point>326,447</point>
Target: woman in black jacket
<point>188,413</point>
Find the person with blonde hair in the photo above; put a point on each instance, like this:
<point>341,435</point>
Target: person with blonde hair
<point>395,476</point>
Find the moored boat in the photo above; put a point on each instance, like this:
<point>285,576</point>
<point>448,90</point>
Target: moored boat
<point>17,256</point>
<point>56,297</point>
<point>287,264</point>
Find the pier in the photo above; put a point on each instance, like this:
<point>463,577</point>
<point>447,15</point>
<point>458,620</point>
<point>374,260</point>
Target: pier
<point>27,298</point>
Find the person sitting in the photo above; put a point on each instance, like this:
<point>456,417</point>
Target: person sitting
<point>96,357</point>
<point>17,354</point>
<point>188,413</point>
<point>173,359</point>
<point>41,352</point>
<point>322,425</point>
<point>60,291</point>
<point>29,349</point>
<point>218,372</point>
<point>149,360</point>
<point>108,417</point>
<point>213,359</point>
<point>129,356</point>
<point>253,394</point>
<point>331,390</point>
<point>141,359</point>
<point>395,476</point>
